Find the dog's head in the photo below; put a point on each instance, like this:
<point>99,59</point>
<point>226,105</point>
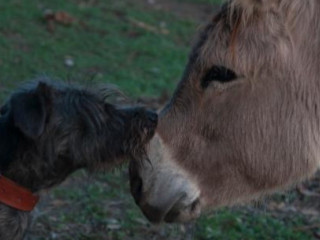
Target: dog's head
<point>48,130</point>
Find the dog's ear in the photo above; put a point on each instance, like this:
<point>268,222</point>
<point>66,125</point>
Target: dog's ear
<point>29,110</point>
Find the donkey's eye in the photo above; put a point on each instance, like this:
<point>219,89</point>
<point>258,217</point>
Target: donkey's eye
<point>218,74</point>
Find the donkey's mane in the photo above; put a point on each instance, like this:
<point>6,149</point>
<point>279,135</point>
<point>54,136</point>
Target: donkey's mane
<point>293,9</point>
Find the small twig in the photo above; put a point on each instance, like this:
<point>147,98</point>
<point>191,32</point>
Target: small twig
<point>306,228</point>
<point>148,27</point>
<point>304,191</point>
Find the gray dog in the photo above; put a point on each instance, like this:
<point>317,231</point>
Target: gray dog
<point>47,131</point>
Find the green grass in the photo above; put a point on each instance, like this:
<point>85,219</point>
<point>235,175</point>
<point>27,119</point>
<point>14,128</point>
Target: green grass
<point>102,202</point>
<point>104,44</point>
<point>236,225</point>
<point>107,46</point>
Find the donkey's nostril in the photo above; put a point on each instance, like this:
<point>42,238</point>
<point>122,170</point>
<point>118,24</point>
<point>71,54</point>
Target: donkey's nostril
<point>136,188</point>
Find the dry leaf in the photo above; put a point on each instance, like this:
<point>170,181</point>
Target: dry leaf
<point>60,17</point>
<point>64,18</point>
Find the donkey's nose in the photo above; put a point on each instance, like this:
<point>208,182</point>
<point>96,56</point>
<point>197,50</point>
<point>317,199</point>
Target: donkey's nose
<point>136,189</point>
<point>136,184</point>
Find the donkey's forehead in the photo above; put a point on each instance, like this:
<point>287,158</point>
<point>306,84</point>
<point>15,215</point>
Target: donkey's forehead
<point>252,5</point>
<point>244,45</point>
<point>216,44</point>
<point>215,40</point>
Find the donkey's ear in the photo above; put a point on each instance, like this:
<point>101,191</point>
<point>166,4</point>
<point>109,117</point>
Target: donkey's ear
<point>29,110</point>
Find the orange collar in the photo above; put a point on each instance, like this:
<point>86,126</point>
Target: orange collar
<point>16,196</point>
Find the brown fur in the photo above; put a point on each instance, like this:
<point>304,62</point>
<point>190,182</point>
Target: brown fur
<point>261,132</point>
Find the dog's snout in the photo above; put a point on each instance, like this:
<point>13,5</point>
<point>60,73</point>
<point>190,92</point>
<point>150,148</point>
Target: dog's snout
<point>143,114</point>
<point>152,117</point>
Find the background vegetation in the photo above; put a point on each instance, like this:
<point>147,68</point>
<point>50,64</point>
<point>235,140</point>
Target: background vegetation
<point>141,46</point>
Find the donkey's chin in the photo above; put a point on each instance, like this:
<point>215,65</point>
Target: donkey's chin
<point>176,212</point>
<point>184,213</point>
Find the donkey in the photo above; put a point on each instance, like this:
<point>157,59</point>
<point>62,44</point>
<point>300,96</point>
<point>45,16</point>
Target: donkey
<point>48,131</point>
<point>244,120</point>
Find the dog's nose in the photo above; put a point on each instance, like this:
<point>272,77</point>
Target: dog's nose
<point>152,117</point>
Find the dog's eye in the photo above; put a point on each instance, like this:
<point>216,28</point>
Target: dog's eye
<point>219,74</point>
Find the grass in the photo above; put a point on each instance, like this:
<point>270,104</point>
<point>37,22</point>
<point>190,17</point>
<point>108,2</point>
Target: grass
<point>104,44</point>
<point>100,206</point>
<point>235,225</point>
<point>107,45</point>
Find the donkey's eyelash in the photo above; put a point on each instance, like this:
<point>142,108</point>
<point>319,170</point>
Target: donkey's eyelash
<point>218,74</point>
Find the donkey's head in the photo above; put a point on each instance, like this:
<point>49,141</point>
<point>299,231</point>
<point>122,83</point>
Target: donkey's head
<point>244,120</point>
